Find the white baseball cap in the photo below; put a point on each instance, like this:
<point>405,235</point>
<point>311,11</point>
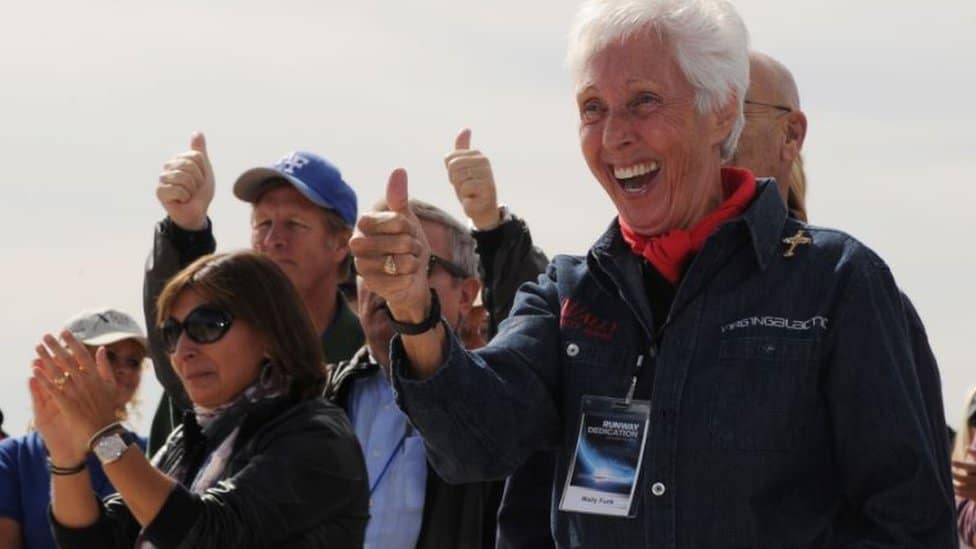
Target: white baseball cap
<point>104,327</point>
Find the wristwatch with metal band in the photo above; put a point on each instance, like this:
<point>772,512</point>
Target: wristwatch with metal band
<point>109,448</point>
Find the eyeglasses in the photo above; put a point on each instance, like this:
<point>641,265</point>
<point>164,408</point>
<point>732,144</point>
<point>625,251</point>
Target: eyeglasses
<point>205,324</point>
<point>452,268</point>
<point>783,108</point>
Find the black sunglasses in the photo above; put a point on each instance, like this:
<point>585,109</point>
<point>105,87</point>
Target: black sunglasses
<point>452,268</point>
<point>205,324</point>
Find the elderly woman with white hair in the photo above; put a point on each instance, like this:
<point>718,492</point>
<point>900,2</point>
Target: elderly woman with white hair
<point>713,373</point>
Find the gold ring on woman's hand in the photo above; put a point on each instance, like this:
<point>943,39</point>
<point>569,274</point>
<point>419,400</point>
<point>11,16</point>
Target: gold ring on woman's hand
<point>60,380</point>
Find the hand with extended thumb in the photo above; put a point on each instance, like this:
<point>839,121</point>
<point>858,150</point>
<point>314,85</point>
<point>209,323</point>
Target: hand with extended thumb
<point>392,252</point>
<point>469,172</point>
<point>186,185</point>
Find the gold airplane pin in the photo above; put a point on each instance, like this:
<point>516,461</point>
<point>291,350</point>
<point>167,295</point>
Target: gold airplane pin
<point>798,239</point>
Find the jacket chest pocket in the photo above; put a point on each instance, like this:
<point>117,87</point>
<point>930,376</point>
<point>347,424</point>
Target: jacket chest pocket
<point>761,393</point>
<point>592,368</point>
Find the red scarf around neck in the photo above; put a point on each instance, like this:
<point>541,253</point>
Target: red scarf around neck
<point>669,252</point>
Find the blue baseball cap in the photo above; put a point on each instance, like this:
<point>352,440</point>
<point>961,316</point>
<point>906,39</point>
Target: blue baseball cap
<point>315,177</point>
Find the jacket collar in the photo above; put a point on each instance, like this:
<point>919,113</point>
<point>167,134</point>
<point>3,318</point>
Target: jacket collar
<point>360,365</point>
<point>763,221</point>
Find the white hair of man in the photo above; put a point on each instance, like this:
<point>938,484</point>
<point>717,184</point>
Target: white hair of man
<point>708,39</point>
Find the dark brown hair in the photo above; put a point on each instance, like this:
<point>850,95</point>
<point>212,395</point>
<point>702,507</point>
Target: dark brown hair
<point>253,289</point>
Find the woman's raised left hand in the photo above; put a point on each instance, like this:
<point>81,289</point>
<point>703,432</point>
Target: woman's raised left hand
<point>81,387</point>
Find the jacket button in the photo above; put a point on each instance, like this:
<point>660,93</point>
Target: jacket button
<point>658,489</point>
<point>572,350</point>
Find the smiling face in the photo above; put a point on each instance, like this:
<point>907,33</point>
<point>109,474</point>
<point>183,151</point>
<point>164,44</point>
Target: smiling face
<point>643,138</point>
<point>294,233</point>
<point>214,373</point>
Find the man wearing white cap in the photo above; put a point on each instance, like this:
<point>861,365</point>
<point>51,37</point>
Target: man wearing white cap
<point>302,218</point>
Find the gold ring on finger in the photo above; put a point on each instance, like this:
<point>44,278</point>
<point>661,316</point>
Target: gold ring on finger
<point>389,265</point>
<point>60,381</point>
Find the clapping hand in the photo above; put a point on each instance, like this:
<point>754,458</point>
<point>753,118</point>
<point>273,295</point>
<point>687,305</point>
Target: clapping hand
<point>74,396</point>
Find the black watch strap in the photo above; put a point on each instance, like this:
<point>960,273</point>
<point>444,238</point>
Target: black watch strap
<point>433,317</point>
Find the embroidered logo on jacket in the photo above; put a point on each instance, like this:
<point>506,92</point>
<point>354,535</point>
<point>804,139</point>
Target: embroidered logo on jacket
<point>574,315</point>
<point>777,322</point>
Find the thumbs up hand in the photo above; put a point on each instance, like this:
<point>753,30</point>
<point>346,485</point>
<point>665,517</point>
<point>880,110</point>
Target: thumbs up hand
<point>392,252</point>
<point>470,173</point>
<point>186,186</point>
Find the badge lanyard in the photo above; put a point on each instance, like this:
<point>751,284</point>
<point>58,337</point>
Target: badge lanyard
<point>389,461</point>
<point>606,464</point>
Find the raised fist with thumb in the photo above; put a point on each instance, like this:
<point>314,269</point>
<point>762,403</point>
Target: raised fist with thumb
<point>186,185</point>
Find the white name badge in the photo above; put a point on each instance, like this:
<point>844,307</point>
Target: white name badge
<point>606,465</point>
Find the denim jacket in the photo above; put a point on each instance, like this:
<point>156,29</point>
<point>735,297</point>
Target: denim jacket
<point>785,407</point>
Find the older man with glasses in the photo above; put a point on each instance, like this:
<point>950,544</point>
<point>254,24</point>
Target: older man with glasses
<point>775,128</point>
<point>410,505</point>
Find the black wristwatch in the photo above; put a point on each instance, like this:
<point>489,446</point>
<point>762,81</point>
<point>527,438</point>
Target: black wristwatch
<point>433,317</point>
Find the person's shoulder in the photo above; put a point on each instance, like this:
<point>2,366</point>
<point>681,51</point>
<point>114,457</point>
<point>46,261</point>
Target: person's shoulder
<point>568,260</point>
<point>316,428</point>
<point>9,448</point>
<point>564,265</point>
<point>315,414</point>
<point>25,448</point>
<point>31,443</point>
<point>837,246</point>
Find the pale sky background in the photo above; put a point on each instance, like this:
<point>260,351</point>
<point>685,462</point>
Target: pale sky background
<point>95,96</point>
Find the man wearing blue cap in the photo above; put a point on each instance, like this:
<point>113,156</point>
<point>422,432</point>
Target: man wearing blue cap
<point>302,218</point>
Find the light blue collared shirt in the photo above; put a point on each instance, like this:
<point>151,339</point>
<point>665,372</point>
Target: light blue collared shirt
<point>396,462</point>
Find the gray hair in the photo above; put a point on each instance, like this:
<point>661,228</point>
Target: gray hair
<point>708,39</point>
<point>461,242</point>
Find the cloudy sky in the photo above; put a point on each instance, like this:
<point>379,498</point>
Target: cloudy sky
<point>95,96</point>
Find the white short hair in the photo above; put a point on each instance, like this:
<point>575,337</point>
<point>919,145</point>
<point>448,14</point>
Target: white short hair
<point>708,39</point>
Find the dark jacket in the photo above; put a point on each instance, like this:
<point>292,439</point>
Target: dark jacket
<point>507,258</point>
<point>786,411</point>
<point>295,478</point>
<point>173,249</point>
<point>458,516</point>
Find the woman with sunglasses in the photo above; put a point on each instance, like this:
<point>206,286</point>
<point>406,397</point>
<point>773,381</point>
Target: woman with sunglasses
<point>25,477</point>
<point>262,462</point>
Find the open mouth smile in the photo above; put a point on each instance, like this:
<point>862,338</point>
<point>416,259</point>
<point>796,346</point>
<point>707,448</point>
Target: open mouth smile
<point>636,178</point>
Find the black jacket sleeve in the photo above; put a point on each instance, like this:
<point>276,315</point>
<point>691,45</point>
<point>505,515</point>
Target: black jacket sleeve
<point>173,248</point>
<point>508,258</point>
